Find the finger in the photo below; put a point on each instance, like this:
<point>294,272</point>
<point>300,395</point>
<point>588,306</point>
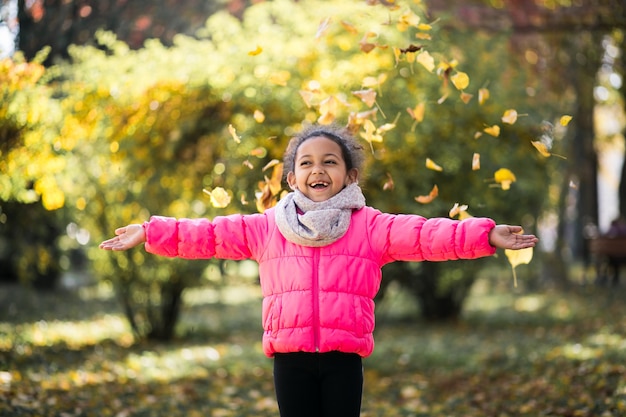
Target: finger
<point>120,230</point>
<point>515,229</point>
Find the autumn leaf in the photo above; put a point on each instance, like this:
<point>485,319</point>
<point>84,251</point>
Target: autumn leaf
<point>255,52</point>
<point>483,95</point>
<point>460,80</point>
<point>544,150</point>
<point>457,209</point>
<point>389,184</point>
<point>369,82</point>
<point>280,78</point>
<point>270,164</point>
<point>219,197</point>
<point>475,162</point>
<point>417,113</point>
<point>466,97</point>
<point>509,116</point>
<point>259,117</point>
<point>425,199</point>
<point>371,134</point>
<point>518,257</point>
<point>367,96</point>
<point>328,110</point>
<point>492,130</point>
<point>564,120</point>
<point>307,96</point>
<point>323,27</point>
<point>426,60</point>
<point>233,133</point>
<point>364,43</point>
<point>430,164</point>
<point>504,177</point>
<point>349,27</point>
<point>406,20</point>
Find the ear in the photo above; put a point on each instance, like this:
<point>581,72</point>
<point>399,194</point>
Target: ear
<point>353,176</point>
<point>291,180</point>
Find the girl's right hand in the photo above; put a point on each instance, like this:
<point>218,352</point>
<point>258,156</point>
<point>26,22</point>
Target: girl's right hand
<point>127,237</point>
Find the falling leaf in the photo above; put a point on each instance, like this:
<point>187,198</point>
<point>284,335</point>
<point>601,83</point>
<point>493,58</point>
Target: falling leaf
<point>233,133</point>
<point>478,135</point>
<point>457,209</point>
<point>475,162</point>
<point>541,147</point>
<point>259,152</point>
<point>259,117</point>
<point>423,36</point>
<point>425,199</point>
<point>505,178</point>
<point>424,27</point>
<point>243,199</point>
<point>460,80</point>
<point>410,48</point>
<point>328,110</point>
<point>367,96</point>
<point>270,164</point>
<point>426,60</point>
<point>389,184</point>
<point>369,82</point>
<point>219,197</point>
<point>466,97</point>
<point>518,257</point>
<point>248,164</point>
<point>565,120</point>
<point>365,45</point>
<point>406,20</point>
<point>349,27</point>
<point>430,164</point>
<point>371,135</point>
<point>255,52</point>
<point>323,27</point>
<point>417,113</point>
<point>510,116</point>
<point>307,96</point>
<point>492,130</point>
<point>483,95</point>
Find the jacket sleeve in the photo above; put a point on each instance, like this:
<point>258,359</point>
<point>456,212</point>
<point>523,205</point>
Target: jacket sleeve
<point>416,238</point>
<point>224,237</point>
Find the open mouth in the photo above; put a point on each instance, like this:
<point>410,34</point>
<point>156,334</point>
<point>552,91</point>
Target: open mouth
<point>319,185</point>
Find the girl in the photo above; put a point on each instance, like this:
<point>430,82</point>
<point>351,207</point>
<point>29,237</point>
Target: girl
<point>320,253</point>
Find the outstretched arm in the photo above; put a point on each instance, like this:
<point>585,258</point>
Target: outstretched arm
<point>127,237</point>
<point>511,237</point>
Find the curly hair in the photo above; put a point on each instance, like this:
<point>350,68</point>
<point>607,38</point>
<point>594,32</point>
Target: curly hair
<point>351,149</point>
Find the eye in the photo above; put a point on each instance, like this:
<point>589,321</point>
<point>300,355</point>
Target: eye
<point>331,161</point>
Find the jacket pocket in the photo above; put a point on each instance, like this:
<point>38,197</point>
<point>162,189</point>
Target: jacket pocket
<point>271,323</point>
<point>358,316</point>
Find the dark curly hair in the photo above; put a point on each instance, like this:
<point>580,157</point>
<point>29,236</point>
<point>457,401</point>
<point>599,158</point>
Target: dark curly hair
<point>351,149</point>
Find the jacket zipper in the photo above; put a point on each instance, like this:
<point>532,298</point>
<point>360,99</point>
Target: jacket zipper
<point>316,300</point>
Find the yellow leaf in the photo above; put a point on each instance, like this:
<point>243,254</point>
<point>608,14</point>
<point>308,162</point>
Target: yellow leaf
<point>430,164</point>
<point>255,52</point>
<point>476,162</point>
<point>425,199</point>
<point>406,20</point>
<point>460,80</point>
<point>369,82</point>
<point>389,184</point>
<point>505,178</point>
<point>423,36</point>
<point>541,147</point>
<point>465,97</point>
<point>492,130</point>
<point>323,27</point>
<point>518,257</point>
<point>510,116</point>
<point>483,95</point>
<point>565,120</point>
<point>233,133</point>
<point>457,209</point>
<point>270,164</point>
<point>365,45</point>
<point>367,96</point>
<point>426,60</point>
<point>424,27</point>
<point>219,197</point>
<point>371,134</point>
<point>259,117</point>
<point>349,27</point>
<point>417,112</point>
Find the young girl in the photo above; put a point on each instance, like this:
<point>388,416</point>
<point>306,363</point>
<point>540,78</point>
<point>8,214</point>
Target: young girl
<point>320,253</point>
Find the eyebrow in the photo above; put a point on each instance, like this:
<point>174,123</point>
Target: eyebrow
<point>326,155</point>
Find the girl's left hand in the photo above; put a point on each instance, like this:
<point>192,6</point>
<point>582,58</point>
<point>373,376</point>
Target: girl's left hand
<point>510,237</point>
<point>127,237</point>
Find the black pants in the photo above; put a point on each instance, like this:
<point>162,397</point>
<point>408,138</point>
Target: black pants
<point>318,384</point>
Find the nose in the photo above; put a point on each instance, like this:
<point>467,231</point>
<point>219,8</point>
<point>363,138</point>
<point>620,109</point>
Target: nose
<point>318,169</point>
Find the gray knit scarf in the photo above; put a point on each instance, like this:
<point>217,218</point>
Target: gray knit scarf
<point>310,223</point>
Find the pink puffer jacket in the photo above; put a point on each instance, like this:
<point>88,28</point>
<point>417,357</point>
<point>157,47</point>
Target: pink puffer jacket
<point>320,299</point>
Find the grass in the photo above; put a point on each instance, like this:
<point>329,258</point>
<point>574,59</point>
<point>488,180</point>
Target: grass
<point>511,354</point>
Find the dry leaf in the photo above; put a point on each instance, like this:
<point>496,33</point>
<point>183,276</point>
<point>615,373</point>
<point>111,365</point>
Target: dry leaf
<point>259,117</point>
<point>430,164</point>
<point>460,80</point>
<point>219,197</point>
<point>389,184</point>
<point>425,199</point>
<point>349,27</point>
<point>492,130</point>
<point>564,121</point>
<point>457,209</point>
<point>483,95</point>
<point>426,60</point>
<point>367,96</point>
<point>233,133</point>
<point>518,257</point>
<point>509,116</point>
<point>475,162</point>
<point>505,178</point>
<point>255,52</point>
<point>417,112</point>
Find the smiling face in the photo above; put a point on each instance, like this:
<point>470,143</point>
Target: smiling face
<point>320,171</point>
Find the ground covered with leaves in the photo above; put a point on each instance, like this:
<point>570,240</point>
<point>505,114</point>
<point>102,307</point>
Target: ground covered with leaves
<point>511,354</point>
